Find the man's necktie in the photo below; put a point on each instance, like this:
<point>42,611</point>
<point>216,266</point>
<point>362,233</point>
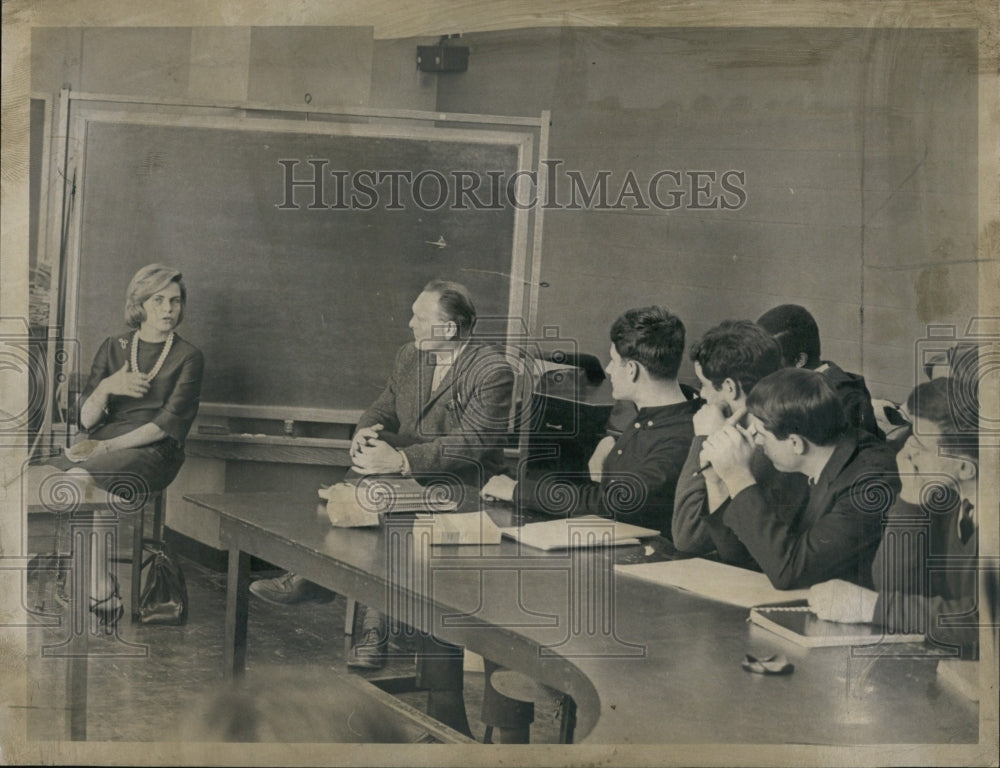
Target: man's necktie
<point>441,363</point>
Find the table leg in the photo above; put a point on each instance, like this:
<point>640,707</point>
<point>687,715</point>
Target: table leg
<point>80,619</point>
<point>237,605</point>
<point>137,553</point>
<point>76,687</point>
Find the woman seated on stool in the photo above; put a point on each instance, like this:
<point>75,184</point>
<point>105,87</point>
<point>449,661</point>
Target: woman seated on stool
<point>138,404</point>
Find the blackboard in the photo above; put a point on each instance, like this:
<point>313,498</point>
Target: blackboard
<point>299,307</point>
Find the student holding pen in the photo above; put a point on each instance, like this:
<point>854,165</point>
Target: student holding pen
<point>796,419</point>
<point>728,361</point>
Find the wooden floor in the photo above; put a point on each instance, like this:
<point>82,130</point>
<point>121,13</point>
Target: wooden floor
<point>151,680</point>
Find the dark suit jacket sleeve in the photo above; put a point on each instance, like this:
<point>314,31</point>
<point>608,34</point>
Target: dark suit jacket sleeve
<point>858,409</point>
<point>476,417</point>
<point>793,560</point>
<point>383,410</point>
<point>902,607</point>
<point>689,527</point>
<point>952,622</point>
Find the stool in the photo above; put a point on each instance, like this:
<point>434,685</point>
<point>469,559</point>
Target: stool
<point>510,698</point>
<point>93,504</point>
<point>139,545</point>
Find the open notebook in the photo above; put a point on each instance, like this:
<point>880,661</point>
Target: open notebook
<point>574,532</point>
<point>794,621</point>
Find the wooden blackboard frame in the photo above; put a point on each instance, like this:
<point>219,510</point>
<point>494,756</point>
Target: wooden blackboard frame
<point>527,135</point>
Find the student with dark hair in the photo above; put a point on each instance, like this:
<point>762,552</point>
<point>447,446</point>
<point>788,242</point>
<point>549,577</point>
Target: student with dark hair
<point>795,417</point>
<point>934,517</point>
<point>728,361</point>
<point>796,332</point>
<point>639,475</point>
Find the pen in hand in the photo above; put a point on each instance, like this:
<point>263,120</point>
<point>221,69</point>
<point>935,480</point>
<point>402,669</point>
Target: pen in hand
<point>701,469</point>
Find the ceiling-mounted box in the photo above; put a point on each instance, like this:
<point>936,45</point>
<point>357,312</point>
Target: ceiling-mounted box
<point>442,58</point>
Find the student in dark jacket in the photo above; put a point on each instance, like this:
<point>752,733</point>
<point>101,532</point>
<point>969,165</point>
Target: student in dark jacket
<point>796,332</point>
<point>796,418</point>
<point>638,476</point>
<point>728,360</point>
<point>935,517</point>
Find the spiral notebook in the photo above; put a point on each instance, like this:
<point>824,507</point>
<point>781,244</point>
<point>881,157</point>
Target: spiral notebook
<point>794,621</point>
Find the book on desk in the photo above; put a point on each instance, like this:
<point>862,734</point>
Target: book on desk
<point>783,612</point>
<point>793,620</point>
<point>387,494</point>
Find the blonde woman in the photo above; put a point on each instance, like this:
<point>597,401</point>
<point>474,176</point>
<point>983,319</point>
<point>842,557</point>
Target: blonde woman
<point>139,401</point>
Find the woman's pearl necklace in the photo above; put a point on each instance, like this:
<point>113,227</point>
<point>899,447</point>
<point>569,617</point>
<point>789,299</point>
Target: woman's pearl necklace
<point>159,363</point>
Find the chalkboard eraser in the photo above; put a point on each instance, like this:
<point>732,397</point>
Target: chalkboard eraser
<point>212,429</point>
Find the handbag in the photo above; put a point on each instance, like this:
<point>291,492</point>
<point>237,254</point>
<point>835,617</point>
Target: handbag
<point>164,597</point>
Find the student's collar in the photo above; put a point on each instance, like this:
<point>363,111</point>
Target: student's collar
<point>842,453</point>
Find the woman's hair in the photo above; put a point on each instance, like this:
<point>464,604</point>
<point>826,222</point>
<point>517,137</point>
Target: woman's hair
<point>455,303</point>
<point>146,283</point>
<point>796,401</point>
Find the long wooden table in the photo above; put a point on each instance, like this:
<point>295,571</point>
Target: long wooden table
<point>645,664</point>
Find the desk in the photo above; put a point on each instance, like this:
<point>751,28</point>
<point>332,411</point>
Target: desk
<point>644,664</point>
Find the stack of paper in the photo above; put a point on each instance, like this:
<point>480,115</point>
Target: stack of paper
<point>386,494</point>
<point>462,528</point>
<point>572,532</point>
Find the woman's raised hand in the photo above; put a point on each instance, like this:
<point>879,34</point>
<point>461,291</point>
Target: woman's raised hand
<point>121,382</point>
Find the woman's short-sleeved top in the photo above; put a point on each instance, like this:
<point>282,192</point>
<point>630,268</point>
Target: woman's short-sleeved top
<point>172,400</point>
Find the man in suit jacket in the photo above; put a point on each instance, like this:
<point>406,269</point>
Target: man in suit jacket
<point>441,416</point>
<point>447,401</point>
<point>798,421</point>
<point>934,518</point>
<point>728,360</point>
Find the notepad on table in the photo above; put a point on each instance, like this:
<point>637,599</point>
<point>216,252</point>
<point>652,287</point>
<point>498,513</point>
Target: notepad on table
<point>386,494</point>
<point>462,528</point>
<point>794,621</point>
<point>716,581</point>
<point>574,532</point>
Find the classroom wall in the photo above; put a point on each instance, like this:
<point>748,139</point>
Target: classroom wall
<point>333,66</point>
<point>859,149</point>
<point>859,153</point>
